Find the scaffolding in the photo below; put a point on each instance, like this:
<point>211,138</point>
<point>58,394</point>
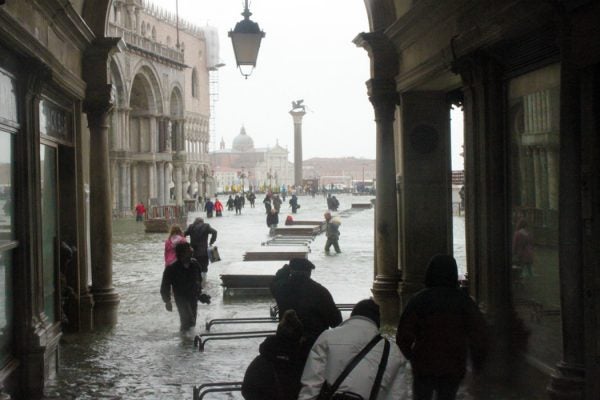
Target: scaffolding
<point>213,92</point>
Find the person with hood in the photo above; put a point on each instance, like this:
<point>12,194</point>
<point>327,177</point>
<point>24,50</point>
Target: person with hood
<point>175,236</point>
<point>218,208</point>
<point>440,325</point>
<point>332,231</point>
<point>272,220</point>
<point>337,347</point>
<point>209,206</point>
<point>198,233</point>
<point>294,203</point>
<point>293,288</point>
<point>275,373</point>
<point>230,203</point>
<point>184,278</point>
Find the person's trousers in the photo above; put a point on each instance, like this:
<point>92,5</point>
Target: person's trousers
<point>335,244</point>
<point>187,309</point>
<point>446,387</point>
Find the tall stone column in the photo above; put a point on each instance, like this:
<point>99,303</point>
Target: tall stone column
<point>128,203</point>
<point>152,181</point>
<point>106,299</point>
<point>383,96</point>
<point>167,187</point>
<point>297,116</point>
<point>178,186</point>
<point>97,105</point>
<point>160,174</point>
<point>425,186</point>
<point>123,205</point>
<point>578,295</point>
<point>133,176</point>
<point>537,177</point>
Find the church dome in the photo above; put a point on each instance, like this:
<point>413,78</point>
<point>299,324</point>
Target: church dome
<point>243,142</point>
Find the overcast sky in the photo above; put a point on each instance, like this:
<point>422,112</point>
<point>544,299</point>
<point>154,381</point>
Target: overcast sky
<point>308,54</point>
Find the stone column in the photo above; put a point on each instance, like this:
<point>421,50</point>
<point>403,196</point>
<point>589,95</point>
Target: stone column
<point>160,174</point>
<point>167,188</point>
<point>577,294</point>
<point>178,186</point>
<point>383,96</point>
<point>97,105</point>
<point>152,181</point>
<point>537,177</point>
<point>123,205</point>
<point>297,116</point>
<point>106,300</point>
<point>133,176</point>
<point>128,205</point>
<point>425,188</point>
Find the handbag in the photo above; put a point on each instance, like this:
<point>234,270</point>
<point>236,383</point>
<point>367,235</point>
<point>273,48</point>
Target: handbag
<point>213,254</point>
<point>328,392</point>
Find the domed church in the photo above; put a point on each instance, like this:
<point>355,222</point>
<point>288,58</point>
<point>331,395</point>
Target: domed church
<point>261,167</point>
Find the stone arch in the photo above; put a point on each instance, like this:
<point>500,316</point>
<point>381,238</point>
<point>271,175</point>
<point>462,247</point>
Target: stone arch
<point>117,134</point>
<point>148,71</point>
<point>382,13</point>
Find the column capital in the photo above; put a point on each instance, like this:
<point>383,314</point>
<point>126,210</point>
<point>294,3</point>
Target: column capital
<point>36,74</point>
<point>297,116</point>
<point>381,50</point>
<point>384,97</point>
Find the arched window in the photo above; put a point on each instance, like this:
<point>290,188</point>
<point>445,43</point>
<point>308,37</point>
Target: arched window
<point>154,33</point>
<point>143,29</point>
<point>194,83</point>
<point>169,41</point>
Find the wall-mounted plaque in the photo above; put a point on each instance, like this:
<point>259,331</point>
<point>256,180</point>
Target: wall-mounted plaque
<point>55,121</point>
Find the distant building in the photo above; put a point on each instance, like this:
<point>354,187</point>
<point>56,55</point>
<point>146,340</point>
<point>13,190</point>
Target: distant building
<point>342,172</point>
<point>159,131</point>
<point>260,168</point>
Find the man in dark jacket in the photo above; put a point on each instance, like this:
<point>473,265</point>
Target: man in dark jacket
<point>438,328</point>
<point>272,220</point>
<point>275,373</point>
<point>293,289</point>
<point>184,277</point>
<point>198,233</point>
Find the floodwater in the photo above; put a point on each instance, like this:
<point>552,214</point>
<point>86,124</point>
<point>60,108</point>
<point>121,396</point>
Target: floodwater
<point>145,357</point>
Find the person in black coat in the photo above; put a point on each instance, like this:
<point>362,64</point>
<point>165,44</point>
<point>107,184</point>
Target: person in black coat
<point>439,327</point>
<point>184,277</point>
<point>272,220</point>
<point>275,373</point>
<point>293,289</point>
<point>294,203</point>
<point>198,233</point>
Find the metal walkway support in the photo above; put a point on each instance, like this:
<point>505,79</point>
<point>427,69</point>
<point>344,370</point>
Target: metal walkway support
<point>220,321</point>
<point>200,340</point>
<point>217,387</point>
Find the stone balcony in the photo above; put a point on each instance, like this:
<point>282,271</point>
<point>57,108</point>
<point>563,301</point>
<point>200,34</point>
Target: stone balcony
<point>147,47</point>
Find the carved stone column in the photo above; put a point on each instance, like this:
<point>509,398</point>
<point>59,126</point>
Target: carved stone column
<point>160,175</point>
<point>178,185</point>
<point>97,106</point>
<point>297,116</point>
<point>384,97</point>
<point>424,186</point>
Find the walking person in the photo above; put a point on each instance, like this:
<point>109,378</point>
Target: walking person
<point>230,204</point>
<point>175,236</point>
<point>184,278</point>
<point>198,233</point>
<point>294,203</point>
<point>238,204</point>
<point>209,206</point>
<point>218,208</point>
<point>293,288</point>
<point>332,231</point>
<point>276,202</point>
<point>275,373</point>
<point>377,373</point>
<point>439,327</point>
<point>251,199</point>
<point>140,210</point>
<point>522,248</point>
<point>272,221</point>
<point>267,203</point>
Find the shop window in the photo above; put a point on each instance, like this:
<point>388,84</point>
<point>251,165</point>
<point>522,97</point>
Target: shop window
<point>534,158</point>
<point>49,197</point>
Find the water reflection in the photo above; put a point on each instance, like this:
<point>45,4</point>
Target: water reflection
<point>145,357</point>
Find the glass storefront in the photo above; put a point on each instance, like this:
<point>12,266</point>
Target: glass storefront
<point>49,200</point>
<point>8,128</point>
<point>534,104</point>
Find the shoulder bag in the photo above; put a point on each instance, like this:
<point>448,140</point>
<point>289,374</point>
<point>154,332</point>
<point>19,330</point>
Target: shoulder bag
<point>329,392</point>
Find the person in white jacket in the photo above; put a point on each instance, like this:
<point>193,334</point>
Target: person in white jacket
<point>335,348</point>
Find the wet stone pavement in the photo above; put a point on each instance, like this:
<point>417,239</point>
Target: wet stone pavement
<point>145,357</point>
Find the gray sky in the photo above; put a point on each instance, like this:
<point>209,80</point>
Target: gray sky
<point>307,54</point>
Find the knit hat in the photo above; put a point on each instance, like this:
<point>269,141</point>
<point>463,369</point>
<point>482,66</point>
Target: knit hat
<point>290,326</point>
<point>367,308</point>
<point>301,264</point>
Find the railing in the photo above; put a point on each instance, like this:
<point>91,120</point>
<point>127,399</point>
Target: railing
<point>217,387</point>
<point>166,212</point>
<point>144,43</point>
<point>200,340</point>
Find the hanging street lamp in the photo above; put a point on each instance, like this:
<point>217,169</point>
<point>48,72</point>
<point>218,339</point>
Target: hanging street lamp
<point>246,37</point>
